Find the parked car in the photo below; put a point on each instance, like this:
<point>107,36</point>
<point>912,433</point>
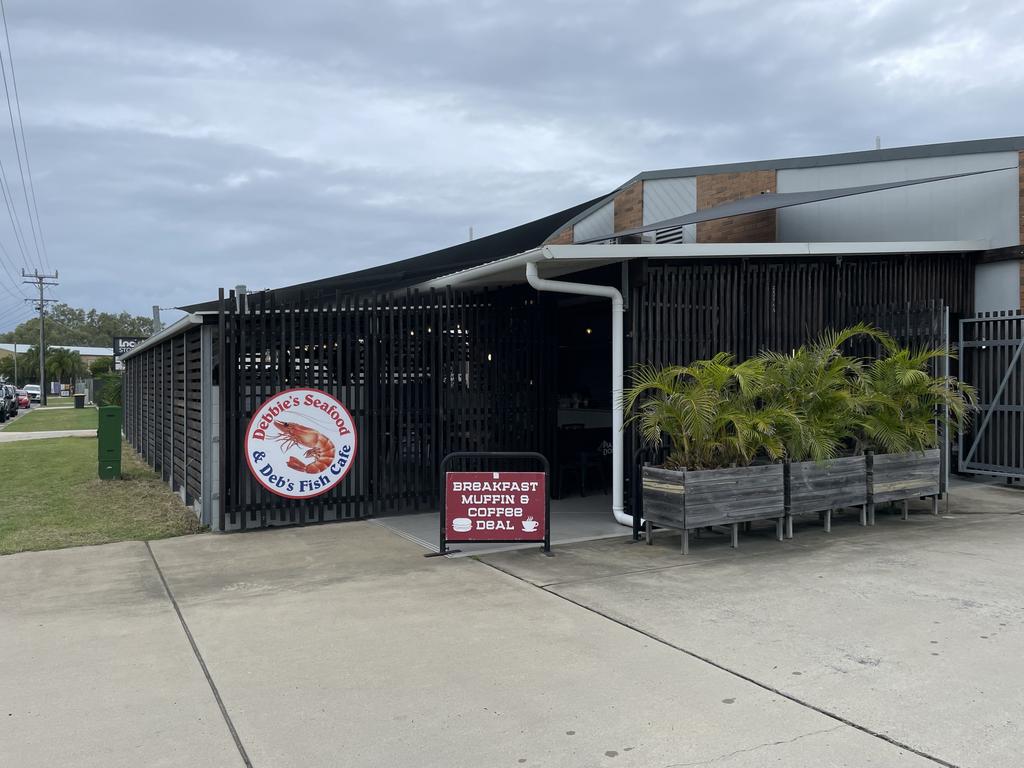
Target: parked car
<point>24,401</point>
<point>33,392</point>
<point>8,402</point>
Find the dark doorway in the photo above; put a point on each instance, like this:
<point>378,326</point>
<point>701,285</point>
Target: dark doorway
<point>583,444</point>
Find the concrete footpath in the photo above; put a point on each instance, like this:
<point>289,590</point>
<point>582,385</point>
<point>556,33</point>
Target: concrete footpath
<point>343,645</point>
<point>911,630</point>
<point>14,437</point>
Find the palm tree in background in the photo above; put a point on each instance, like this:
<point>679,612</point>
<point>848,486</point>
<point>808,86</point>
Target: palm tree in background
<point>65,365</point>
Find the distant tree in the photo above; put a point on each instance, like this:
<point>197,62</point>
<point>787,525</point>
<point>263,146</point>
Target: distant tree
<point>28,367</point>
<point>64,365</point>
<point>101,365</point>
<point>70,326</point>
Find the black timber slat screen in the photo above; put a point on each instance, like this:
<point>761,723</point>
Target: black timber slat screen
<point>992,360</point>
<point>422,374</point>
<point>161,399</point>
<point>681,312</point>
<point>691,311</point>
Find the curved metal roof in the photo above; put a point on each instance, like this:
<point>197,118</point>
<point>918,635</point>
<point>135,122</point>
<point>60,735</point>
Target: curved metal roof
<point>407,272</point>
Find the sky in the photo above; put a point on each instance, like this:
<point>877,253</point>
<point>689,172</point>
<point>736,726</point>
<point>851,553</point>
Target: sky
<point>178,147</point>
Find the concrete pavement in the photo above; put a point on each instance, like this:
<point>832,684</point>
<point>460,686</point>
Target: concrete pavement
<point>911,630</point>
<point>95,669</point>
<point>342,645</point>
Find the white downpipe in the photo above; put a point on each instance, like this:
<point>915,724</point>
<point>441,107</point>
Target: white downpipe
<point>607,292</point>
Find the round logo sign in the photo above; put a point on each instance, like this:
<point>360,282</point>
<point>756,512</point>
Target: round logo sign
<point>300,443</point>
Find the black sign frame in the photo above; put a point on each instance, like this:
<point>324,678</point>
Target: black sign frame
<point>442,547</point>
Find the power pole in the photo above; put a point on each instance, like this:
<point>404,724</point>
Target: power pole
<point>41,281</point>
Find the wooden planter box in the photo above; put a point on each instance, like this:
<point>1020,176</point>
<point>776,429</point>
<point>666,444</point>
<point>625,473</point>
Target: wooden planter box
<point>820,488</point>
<point>903,476</point>
<point>687,499</point>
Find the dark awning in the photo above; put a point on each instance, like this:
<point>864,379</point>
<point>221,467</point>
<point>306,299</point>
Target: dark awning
<point>411,271</point>
<point>774,200</point>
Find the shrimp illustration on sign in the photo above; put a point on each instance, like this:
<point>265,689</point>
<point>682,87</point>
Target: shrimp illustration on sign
<point>318,447</point>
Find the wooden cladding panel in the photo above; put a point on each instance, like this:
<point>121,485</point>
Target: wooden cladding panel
<point>815,487</point>
<point>735,495</point>
<point>896,476</point>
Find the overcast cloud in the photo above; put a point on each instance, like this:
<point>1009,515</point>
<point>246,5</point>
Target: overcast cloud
<point>181,146</point>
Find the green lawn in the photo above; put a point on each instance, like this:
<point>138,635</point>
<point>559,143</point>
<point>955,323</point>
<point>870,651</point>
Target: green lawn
<point>54,400</point>
<point>44,420</point>
<point>52,498</point>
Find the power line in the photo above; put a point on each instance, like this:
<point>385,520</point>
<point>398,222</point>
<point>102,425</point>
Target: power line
<point>12,294</point>
<point>8,291</point>
<point>9,272</point>
<point>18,304</point>
<point>36,224</point>
<point>12,214</point>
<point>7,264</point>
<point>15,317</point>
<point>14,312</point>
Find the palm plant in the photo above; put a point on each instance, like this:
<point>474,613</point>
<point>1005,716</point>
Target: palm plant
<point>811,404</point>
<point>816,383</point>
<point>708,414</point>
<point>64,365</point>
<point>900,403</point>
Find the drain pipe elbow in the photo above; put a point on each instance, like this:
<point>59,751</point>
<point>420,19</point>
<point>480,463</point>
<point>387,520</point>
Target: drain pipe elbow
<point>618,312</point>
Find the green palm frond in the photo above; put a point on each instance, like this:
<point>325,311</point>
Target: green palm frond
<point>813,403</point>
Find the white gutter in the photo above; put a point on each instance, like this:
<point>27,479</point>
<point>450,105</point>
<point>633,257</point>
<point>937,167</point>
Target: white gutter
<point>180,326</point>
<point>607,292</point>
<point>485,270</point>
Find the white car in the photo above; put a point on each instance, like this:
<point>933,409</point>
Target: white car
<point>33,392</point>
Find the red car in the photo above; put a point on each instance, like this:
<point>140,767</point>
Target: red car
<point>23,399</point>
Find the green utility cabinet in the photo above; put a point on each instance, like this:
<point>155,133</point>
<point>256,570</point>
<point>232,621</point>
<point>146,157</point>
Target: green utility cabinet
<point>108,435</point>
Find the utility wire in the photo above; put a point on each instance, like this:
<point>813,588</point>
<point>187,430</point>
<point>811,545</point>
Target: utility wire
<point>12,294</point>
<point>12,314</point>
<point>12,214</point>
<point>7,264</point>
<point>33,222</point>
<point>18,304</point>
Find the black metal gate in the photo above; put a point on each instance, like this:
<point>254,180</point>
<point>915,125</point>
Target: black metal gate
<point>992,360</point>
<point>423,375</point>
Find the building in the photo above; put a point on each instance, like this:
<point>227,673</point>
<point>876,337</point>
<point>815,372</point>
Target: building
<point>88,354</point>
<point>517,341</point>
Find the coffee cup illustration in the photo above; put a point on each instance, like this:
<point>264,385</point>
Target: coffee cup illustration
<point>530,525</point>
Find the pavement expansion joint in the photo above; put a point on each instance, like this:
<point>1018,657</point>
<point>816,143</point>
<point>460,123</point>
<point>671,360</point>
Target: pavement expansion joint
<point>764,686</point>
<point>199,658</point>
